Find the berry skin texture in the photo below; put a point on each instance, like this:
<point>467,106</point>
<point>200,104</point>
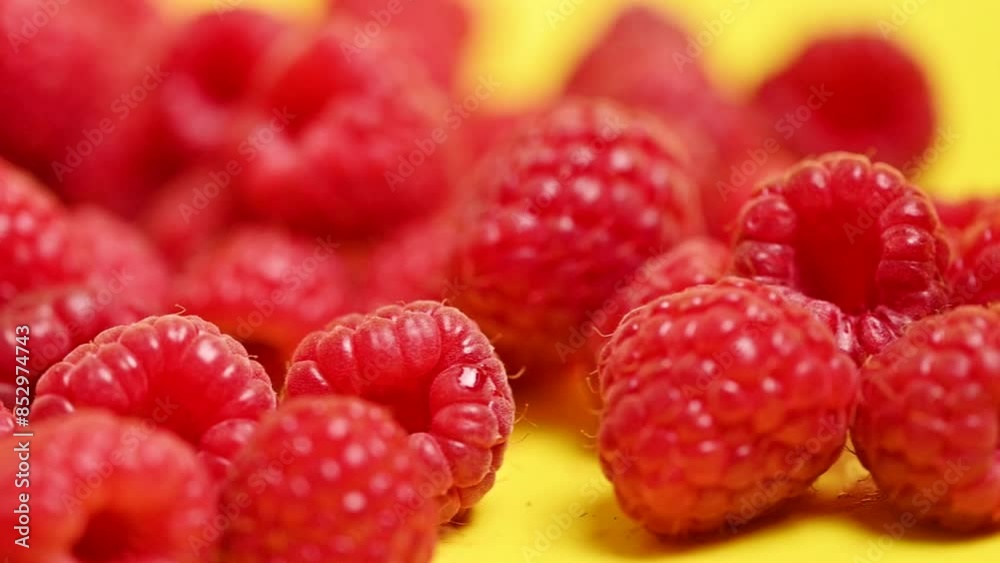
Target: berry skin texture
<point>975,275</point>
<point>929,418</point>
<point>349,489</point>
<point>267,288</point>
<point>348,150</point>
<point>568,208</point>
<point>107,489</point>
<point>437,373</point>
<point>856,234</point>
<point>713,395</point>
<point>864,94</point>
<point>696,261</point>
<point>178,371</point>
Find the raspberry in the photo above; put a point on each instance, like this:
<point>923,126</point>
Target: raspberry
<point>34,238</point>
<point>696,261</point>
<point>347,487</point>
<point>724,196</point>
<point>69,72</point>
<point>434,32</point>
<point>975,275</point>
<point>107,489</point>
<point>267,288</point>
<point>151,369</point>
<point>958,215</point>
<point>856,234</point>
<point>412,264</point>
<point>569,208</point>
<point>436,371</point>
<point>212,67</point>
<point>348,144</point>
<point>927,423</point>
<point>860,93</point>
<point>6,422</point>
<point>720,402</point>
<point>189,213</point>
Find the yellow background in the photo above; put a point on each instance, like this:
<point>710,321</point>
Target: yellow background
<point>550,486</point>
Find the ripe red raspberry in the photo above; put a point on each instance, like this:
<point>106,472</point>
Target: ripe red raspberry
<point>855,234</point>
<point>724,195</point>
<point>349,145</point>
<point>267,288</point>
<point>569,208</point>
<point>106,489</point>
<point>329,479</point>
<point>696,261</point>
<point>975,275</point>
<point>434,31</point>
<point>69,67</point>
<point>151,369</point>
<point>436,371</point>
<point>959,214</point>
<point>927,423</point>
<point>212,65</point>
<point>412,264</point>
<point>720,402</point>
<point>34,238</point>
<point>858,93</point>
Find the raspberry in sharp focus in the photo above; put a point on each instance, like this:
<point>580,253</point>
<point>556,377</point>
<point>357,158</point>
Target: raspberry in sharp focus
<point>858,93</point>
<point>696,261</point>
<point>975,275</point>
<point>108,489</point>
<point>348,488</point>
<point>268,288</point>
<point>348,145</point>
<point>570,207</point>
<point>177,371</point>
<point>720,402</point>
<point>929,417</point>
<point>436,371</point>
<point>856,234</point>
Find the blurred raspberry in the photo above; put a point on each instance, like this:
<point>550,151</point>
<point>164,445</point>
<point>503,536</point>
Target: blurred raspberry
<point>975,275</point>
<point>858,93</point>
<point>854,234</point>
<point>957,215</point>
<point>412,264</point>
<point>71,73</point>
<point>435,32</point>
<point>569,208</point>
<point>348,145</point>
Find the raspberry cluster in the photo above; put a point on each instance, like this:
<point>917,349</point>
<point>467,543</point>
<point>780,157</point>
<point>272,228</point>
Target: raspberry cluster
<point>266,284</point>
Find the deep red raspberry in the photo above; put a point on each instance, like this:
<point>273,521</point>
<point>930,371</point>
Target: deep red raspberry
<point>212,65</point>
<point>436,371</point>
<point>696,261</point>
<point>412,264</point>
<point>107,489</point>
<point>570,207</point>
<point>862,93</point>
<point>346,487</point>
<point>856,234</point>
<point>34,238</point>
<point>347,144</point>
<point>714,394</point>
<point>929,418</point>
<point>267,288</point>
<point>69,73</point>
<point>434,31</point>
<point>179,372</point>
<point>6,422</point>
<point>975,275</point>
<point>959,214</point>
<point>724,196</point>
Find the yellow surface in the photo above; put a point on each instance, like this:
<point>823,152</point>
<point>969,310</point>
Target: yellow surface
<point>550,503</point>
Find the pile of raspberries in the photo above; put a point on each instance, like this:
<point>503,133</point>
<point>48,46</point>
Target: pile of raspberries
<point>263,283</point>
